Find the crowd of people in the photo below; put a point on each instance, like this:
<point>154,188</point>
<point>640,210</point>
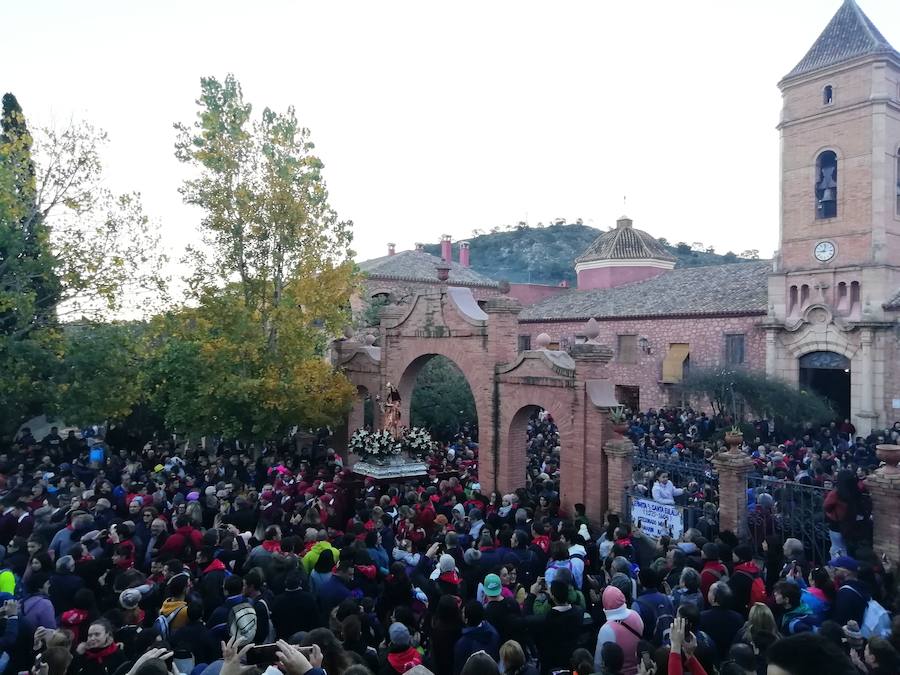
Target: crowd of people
<point>172,558</point>
<point>831,457</point>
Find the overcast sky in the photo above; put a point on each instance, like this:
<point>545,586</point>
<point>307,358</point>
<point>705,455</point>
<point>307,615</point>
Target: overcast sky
<point>437,118</point>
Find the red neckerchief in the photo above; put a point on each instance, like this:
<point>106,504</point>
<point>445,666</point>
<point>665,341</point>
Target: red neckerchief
<point>450,577</point>
<point>214,566</point>
<point>100,655</point>
<point>271,546</point>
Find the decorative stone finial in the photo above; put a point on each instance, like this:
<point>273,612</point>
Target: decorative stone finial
<point>542,341</point>
<point>369,339</point>
<point>592,330</point>
<point>348,332</point>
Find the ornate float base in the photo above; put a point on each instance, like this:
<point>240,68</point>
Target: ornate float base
<point>396,468</point>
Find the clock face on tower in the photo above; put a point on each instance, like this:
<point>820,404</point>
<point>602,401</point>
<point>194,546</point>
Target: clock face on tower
<point>824,251</point>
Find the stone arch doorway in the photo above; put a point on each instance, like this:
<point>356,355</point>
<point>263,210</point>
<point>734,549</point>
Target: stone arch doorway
<point>828,374</point>
<point>538,447</point>
<point>436,394</point>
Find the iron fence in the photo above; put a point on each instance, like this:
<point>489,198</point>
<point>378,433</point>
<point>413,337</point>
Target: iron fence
<point>681,471</point>
<point>797,511</point>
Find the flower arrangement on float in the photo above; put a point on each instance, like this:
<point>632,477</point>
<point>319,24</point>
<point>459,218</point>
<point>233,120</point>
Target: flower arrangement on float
<point>418,441</point>
<point>381,445</point>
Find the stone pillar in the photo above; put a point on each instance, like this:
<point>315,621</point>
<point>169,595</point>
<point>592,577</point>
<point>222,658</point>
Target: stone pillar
<point>733,468</point>
<point>503,328</point>
<point>884,487</point>
<point>770,352</point>
<point>866,413</point>
<point>619,455</point>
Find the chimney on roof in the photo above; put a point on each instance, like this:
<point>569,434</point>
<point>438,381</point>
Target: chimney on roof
<point>464,253</point>
<point>392,249</point>
<point>446,248</point>
<point>420,246</point>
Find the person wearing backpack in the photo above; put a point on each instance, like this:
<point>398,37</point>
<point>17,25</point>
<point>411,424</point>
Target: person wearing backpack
<point>746,582</point>
<point>654,606</point>
<point>183,543</point>
<point>256,593</point>
<point>173,613</point>
<point>235,617</point>
<point>713,570</point>
<point>623,626</point>
<point>852,596</point>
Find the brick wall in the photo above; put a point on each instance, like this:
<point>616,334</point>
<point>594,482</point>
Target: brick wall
<point>705,335</point>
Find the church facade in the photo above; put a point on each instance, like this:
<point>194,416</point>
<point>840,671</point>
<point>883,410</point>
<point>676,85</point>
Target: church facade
<point>824,314</point>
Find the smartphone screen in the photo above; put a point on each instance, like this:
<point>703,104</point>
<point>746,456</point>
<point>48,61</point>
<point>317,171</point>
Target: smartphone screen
<point>262,655</point>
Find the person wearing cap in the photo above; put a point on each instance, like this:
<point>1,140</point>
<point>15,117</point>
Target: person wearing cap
<point>401,656</point>
<point>623,626</point>
<point>501,612</point>
<point>853,595</point>
<point>64,584</point>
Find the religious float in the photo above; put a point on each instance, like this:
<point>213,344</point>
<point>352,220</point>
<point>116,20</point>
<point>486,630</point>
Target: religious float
<point>394,452</point>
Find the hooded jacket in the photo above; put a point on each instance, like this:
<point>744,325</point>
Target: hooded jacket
<point>399,660</point>
<point>475,638</point>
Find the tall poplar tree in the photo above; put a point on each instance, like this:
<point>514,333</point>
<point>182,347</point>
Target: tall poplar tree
<point>270,284</point>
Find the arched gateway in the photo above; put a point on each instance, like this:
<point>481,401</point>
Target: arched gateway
<point>507,385</point>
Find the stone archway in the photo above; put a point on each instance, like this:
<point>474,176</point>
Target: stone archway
<point>482,342</point>
<point>409,380</point>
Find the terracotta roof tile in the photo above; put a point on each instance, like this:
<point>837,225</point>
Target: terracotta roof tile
<point>624,242</point>
<point>421,266</point>
<point>739,288</point>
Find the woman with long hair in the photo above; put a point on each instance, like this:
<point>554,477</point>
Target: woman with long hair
<point>760,619</point>
<point>445,629</point>
<point>847,513</point>
<point>336,660</point>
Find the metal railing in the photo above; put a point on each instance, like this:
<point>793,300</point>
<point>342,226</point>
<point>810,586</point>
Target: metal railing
<point>798,511</point>
<point>681,471</point>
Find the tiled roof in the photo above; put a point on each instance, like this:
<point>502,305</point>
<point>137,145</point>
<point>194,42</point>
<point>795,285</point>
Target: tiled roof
<point>625,243</point>
<point>893,303</point>
<point>849,34</point>
<point>421,266</point>
<point>733,289</point>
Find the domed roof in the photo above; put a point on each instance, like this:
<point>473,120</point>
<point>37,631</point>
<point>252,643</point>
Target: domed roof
<point>625,243</point>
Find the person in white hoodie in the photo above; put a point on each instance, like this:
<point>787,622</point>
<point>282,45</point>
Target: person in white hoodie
<point>664,491</point>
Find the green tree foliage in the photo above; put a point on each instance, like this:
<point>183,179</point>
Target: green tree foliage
<point>442,400</point>
<point>245,355</point>
<point>69,248</point>
<point>101,374</point>
<point>546,255</point>
<point>727,390</point>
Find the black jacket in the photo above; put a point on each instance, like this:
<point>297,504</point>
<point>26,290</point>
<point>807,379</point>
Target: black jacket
<point>294,611</point>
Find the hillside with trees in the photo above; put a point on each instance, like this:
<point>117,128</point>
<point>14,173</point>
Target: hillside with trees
<point>546,254</point>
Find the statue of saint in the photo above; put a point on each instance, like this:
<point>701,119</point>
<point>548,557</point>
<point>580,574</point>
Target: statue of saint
<point>390,407</point>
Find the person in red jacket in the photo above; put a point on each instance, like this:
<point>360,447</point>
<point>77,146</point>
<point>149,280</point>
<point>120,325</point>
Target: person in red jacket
<point>713,570</point>
<point>681,654</point>
<point>184,543</point>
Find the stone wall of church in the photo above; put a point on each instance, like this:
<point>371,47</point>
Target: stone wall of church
<point>705,335</point>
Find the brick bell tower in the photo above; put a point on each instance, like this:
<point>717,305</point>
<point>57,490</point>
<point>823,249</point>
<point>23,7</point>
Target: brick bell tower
<point>837,271</point>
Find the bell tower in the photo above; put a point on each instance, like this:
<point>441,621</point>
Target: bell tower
<point>838,264</point>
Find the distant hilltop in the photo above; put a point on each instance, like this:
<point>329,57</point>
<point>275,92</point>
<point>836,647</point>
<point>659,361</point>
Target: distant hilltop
<point>546,255</point>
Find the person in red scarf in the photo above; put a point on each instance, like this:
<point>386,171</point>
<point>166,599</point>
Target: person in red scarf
<point>401,655</point>
<point>99,654</point>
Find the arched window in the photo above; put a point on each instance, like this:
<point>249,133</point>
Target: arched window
<point>826,185</point>
<point>827,95</point>
<point>792,300</point>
